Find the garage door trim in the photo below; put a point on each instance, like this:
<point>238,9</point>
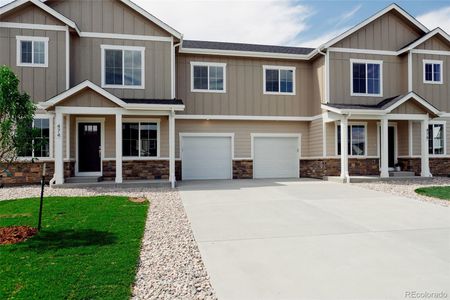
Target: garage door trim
<point>280,135</point>
<point>208,134</point>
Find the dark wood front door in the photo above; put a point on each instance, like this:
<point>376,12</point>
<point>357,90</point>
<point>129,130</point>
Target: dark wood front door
<point>391,146</point>
<point>89,151</point>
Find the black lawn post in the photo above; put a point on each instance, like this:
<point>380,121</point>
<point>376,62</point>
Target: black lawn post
<point>42,196</point>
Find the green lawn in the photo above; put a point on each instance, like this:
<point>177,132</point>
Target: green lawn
<point>441,192</point>
<point>88,248</point>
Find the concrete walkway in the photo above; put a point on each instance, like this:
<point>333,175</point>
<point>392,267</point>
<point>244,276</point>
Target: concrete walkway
<point>308,239</point>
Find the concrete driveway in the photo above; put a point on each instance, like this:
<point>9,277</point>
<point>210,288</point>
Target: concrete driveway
<point>308,239</point>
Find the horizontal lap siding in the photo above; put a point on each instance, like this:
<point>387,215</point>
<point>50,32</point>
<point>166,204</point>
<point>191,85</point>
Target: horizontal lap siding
<point>316,138</point>
<point>242,132</point>
<point>40,83</point>
<point>244,89</point>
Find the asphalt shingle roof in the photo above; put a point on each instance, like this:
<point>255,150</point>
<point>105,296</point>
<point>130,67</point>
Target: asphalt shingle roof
<point>154,101</point>
<point>189,44</point>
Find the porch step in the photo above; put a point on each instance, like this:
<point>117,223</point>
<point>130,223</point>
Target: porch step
<point>83,179</point>
<point>401,174</point>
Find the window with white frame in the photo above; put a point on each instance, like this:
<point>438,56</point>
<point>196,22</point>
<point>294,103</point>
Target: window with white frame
<point>436,138</point>
<point>208,77</point>
<point>366,77</point>
<point>122,66</point>
<point>432,71</point>
<point>140,139</point>
<point>32,51</point>
<point>279,80</point>
<point>39,146</point>
<point>356,143</point>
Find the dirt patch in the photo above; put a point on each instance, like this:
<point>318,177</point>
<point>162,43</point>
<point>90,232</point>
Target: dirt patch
<point>15,215</point>
<point>137,199</point>
<point>15,234</point>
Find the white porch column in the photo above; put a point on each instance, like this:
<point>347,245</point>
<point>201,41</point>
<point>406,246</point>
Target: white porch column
<point>118,148</point>
<point>384,153</point>
<point>344,149</point>
<point>425,161</point>
<point>59,155</point>
<point>172,148</point>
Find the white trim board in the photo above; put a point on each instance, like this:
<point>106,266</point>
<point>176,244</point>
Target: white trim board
<point>247,118</point>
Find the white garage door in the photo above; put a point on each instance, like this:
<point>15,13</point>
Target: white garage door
<point>276,157</point>
<point>206,157</point>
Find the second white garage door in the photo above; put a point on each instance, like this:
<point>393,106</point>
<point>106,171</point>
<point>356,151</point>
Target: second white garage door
<point>206,157</point>
<point>276,156</point>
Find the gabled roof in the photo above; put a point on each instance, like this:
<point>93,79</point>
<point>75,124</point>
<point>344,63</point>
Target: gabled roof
<point>46,8</point>
<point>170,104</point>
<point>383,107</point>
<point>392,7</point>
<point>419,41</point>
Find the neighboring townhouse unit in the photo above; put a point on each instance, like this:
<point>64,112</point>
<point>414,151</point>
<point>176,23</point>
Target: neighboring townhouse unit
<point>122,96</point>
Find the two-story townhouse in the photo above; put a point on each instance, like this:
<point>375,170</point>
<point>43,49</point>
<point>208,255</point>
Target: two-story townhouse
<point>123,96</point>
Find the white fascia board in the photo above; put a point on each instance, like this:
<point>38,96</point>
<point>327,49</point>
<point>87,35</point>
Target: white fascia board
<point>33,26</point>
<point>42,6</point>
<point>246,53</point>
<point>372,18</point>
<point>425,38</point>
<point>246,118</point>
<point>85,84</point>
<point>416,97</point>
<point>154,107</point>
<point>153,19</point>
<point>353,111</point>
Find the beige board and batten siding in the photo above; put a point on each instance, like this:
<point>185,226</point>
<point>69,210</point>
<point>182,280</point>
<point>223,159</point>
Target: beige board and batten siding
<point>86,56</point>
<point>30,14</point>
<point>244,89</point>
<point>436,94</point>
<point>41,83</point>
<point>402,138</point>
<point>318,77</point>
<point>436,43</point>
<point>110,133</point>
<point>394,77</point>
<point>242,132</point>
<point>389,32</point>
<point>107,16</point>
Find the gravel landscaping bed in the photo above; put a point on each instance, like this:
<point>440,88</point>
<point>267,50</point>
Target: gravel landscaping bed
<point>170,265</point>
<point>406,188</point>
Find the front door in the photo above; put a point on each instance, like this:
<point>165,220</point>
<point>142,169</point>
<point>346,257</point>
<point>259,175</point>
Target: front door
<point>391,146</point>
<point>89,148</point>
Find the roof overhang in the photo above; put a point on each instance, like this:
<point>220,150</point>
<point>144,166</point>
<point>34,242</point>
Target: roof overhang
<point>392,7</point>
<point>15,4</point>
<point>386,110</point>
<point>89,85</point>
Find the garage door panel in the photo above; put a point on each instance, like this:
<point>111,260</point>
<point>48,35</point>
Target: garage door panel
<point>206,157</point>
<point>276,157</point>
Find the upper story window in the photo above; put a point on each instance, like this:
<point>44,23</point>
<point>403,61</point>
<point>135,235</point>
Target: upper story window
<point>32,51</point>
<point>432,71</point>
<point>122,67</point>
<point>208,77</point>
<point>366,77</point>
<point>279,80</point>
<point>39,146</point>
<point>140,138</point>
<point>436,138</point>
<point>356,139</point>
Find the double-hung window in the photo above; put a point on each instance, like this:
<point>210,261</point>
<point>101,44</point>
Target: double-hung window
<point>208,77</point>
<point>279,80</point>
<point>366,77</point>
<point>39,146</point>
<point>140,139</point>
<point>356,143</point>
<point>436,138</point>
<point>32,51</point>
<point>122,66</point>
<point>432,71</point>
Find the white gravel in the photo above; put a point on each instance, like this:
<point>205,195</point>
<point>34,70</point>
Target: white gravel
<point>406,188</point>
<point>170,265</point>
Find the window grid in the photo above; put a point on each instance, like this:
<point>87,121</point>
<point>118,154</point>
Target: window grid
<point>366,78</point>
<point>356,139</point>
<point>32,51</point>
<point>279,80</point>
<point>432,71</point>
<point>436,139</point>
<point>145,142</point>
<point>40,144</point>
<point>123,67</point>
<point>208,77</point>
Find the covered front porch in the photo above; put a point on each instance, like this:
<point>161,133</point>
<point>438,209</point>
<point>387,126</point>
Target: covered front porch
<point>100,137</point>
<point>385,141</point>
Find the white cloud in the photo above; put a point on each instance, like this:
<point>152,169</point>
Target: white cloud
<point>436,18</point>
<point>316,42</point>
<point>250,21</point>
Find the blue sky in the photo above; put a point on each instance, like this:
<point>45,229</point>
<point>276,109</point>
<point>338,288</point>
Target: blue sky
<point>280,22</point>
